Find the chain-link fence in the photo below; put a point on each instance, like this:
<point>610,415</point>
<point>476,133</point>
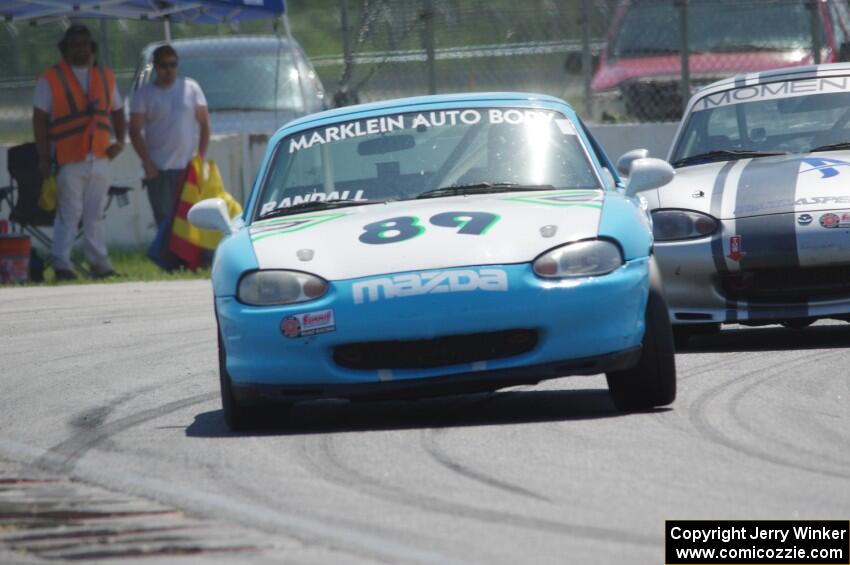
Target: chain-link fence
<point>614,60</point>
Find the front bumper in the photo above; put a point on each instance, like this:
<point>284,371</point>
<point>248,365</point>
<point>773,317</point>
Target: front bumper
<point>772,278</point>
<point>582,320</point>
<point>463,383</point>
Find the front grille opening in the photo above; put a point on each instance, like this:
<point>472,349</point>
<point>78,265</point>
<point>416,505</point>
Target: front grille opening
<point>789,286</point>
<point>693,316</point>
<point>437,352</point>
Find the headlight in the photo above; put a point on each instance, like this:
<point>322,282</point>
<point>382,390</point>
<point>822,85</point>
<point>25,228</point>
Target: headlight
<point>669,225</point>
<point>270,288</point>
<point>581,259</point>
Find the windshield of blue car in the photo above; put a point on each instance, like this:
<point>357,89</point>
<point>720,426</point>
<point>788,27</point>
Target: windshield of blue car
<point>799,116</point>
<point>248,83</point>
<point>651,27</point>
<point>441,152</point>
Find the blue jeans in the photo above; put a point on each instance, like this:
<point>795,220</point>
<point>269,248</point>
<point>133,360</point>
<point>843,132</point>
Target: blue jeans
<point>163,192</point>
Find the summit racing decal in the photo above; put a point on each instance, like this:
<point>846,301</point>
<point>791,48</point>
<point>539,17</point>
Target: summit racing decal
<point>826,167</point>
<point>587,198</point>
<point>309,323</point>
<point>280,226</point>
<point>430,282</point>
<point>772,91</point>
<point>422,121</point>
<point>835,219</point>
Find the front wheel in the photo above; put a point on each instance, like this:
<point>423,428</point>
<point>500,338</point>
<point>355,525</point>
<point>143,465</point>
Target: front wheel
<point>652,382</point>
<point>235,416</point>
<point>798,323</point>
<point>241,418</point>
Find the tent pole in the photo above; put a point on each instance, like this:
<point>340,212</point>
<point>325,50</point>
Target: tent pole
<point>166,28</point>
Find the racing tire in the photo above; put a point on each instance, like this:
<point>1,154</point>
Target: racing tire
<point>244,418</point>
<point>235,416</point>
<point>798,323</point>
<point>652,382</point>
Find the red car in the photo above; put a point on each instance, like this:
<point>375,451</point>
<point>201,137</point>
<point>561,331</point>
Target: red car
<point>639,71</point>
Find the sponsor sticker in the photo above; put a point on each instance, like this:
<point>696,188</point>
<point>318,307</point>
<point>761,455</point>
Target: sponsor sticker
<point>830,220</point>
<point>804,219</point>
<point>773,91</point>
<point>309,323</point>
<point>735,248</point>
<point>836,219</point>
<point>788,202</point>
<point>298,199</point>
<point>422,121</point>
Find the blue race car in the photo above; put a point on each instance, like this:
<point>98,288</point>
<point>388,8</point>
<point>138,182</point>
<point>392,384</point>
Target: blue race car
<point>438,245</point>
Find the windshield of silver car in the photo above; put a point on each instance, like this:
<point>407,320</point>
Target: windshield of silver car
<point>770,118</point>
<point>425,154</point>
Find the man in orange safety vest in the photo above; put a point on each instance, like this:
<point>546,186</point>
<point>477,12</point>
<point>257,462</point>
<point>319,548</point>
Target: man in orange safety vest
<point>75,108</point>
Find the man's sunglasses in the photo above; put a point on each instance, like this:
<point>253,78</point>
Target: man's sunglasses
<point>169,65</point>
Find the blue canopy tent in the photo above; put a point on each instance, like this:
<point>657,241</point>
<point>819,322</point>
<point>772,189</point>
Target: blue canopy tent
<point>189,11</point>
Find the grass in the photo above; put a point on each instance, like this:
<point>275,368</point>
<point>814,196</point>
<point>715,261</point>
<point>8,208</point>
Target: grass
<point>132,266</point>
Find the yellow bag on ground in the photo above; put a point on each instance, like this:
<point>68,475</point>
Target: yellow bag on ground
<point>47,199</point>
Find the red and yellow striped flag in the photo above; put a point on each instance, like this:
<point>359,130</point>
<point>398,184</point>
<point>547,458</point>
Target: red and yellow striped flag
<point>203,180</point>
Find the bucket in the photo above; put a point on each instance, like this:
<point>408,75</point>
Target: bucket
<point>15,258</point>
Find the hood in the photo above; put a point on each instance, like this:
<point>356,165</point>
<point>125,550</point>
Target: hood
<point>711,66</point>
<point>437,233</point>
<point>805,182</point>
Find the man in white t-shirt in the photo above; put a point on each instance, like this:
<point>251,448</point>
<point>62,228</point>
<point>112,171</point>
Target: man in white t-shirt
<point>169,124</point>
<point>76,110</point>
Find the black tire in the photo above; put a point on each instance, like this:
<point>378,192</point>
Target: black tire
<point>798,323</point>
<point>681,337</point>
<point>245,418</point>
<point>235,416</point>
<point>652,382</point>
<point>683,333</point>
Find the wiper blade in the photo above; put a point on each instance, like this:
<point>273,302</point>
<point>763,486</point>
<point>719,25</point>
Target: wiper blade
<point>831,146</point>
<point>724,155</point>
<point>318,205</point>
<point>482,188</point>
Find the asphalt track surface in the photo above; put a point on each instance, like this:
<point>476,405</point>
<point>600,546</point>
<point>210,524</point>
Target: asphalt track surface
<point>112,445</point>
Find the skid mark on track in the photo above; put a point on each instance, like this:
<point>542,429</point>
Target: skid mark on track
<point>740,418</point>
<point>320,454</point>
<point>701,418</point>
<point>62,458</point>
<point>441,456</point>
<point>712,366</point>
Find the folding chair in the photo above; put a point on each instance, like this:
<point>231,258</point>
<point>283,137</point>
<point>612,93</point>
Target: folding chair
<point>25,189</point>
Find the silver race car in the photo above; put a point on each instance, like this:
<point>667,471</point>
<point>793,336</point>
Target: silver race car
<point>755,227</point>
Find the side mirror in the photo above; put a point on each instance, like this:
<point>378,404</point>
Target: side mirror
<point>647,174</point>
<point>624,163</point>
<point>210,214</point>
